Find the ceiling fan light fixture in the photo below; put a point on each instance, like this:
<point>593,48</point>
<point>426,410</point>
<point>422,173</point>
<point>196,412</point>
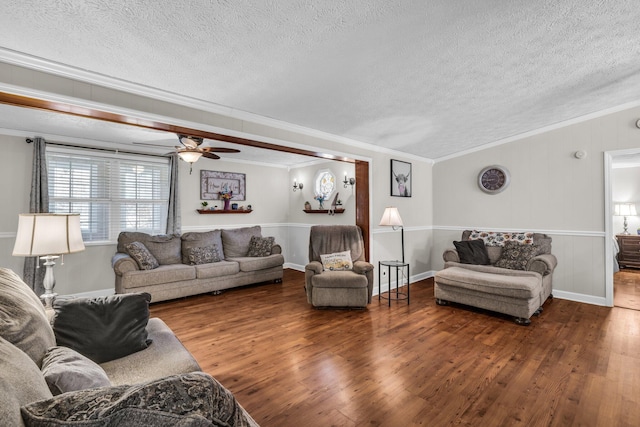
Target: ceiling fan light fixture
<point>190,156</point>
<point>190,141</point>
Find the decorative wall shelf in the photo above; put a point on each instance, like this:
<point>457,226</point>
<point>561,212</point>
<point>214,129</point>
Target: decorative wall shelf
<point>222,211</point>
<point>323,211</point>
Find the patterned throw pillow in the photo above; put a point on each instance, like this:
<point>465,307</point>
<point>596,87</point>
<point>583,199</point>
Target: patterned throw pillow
<point>260,246</point>
<point>498,238</point>
<point>203,255</point>
<point>515,256</point>
<point>139,252</point>
<point>339,261</point>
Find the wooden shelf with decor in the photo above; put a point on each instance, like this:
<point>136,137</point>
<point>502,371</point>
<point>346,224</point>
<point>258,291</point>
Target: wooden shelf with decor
<point>222,211</point>
<point>323,211</point>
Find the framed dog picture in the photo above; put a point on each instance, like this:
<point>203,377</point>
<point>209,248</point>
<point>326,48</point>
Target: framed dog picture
<point>400,178</point>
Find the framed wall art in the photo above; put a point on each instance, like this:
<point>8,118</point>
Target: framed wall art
<point>400,178</point>
<point>213,184</point>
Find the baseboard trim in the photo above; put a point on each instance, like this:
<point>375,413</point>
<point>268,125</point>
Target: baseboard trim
<point>587,299</point>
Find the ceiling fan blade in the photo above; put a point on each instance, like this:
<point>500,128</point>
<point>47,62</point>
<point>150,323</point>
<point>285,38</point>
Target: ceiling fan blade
<point>210,155</point>
<point>220,150</point>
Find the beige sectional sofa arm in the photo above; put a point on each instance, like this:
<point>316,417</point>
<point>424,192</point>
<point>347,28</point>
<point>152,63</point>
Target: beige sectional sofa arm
<point>122,263</point>
<point>451,255</point>
<point>543,264</point>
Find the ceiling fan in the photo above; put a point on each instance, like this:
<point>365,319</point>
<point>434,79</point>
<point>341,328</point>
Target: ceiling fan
<point>190,150</point>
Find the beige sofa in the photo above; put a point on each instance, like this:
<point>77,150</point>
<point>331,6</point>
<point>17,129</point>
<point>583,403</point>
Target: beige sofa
<point>159,385</point>
<point>516,292</point>
<point>175,277</point>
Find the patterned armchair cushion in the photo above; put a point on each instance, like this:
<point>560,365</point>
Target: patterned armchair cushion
<point>194,399</point>
<point>515,256</point>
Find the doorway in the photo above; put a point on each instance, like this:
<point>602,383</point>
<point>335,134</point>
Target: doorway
<point>622,172</point>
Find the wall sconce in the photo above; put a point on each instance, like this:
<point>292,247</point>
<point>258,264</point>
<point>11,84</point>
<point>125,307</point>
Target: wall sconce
<point>350,181</point>
<point>296,186</point>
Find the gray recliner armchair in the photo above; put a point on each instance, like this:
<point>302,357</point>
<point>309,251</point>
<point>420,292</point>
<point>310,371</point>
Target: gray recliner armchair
<point>349,288</point>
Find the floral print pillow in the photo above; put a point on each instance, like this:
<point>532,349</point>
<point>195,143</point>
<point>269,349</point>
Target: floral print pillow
<point>498,238</point>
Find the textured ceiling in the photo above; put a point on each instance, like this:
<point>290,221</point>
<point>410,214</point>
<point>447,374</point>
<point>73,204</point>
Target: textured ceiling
<point>430,78</point>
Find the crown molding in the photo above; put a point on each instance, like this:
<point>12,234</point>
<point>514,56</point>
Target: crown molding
<point>50,67</point>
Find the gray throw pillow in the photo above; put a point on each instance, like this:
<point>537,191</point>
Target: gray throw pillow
<point>194,399</point>
<point>20,383</point>
<point>103,328</point>
<point>515,256</point>
<point>472,252</point>
<point>23,321</point>
<point>196,239</point>
<point>65,369</point>
<point>203,255</point>
<point>260,246</point>
<point>139,252</point>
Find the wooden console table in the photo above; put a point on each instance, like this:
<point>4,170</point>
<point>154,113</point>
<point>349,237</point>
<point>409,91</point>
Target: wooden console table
<point>629,255</point>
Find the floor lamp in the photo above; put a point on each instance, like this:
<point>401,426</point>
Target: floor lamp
<point>48,236</point>
<point>391,217</point>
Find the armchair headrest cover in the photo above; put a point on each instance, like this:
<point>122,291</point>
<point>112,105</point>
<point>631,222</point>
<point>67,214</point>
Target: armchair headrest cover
<point>328,239</point>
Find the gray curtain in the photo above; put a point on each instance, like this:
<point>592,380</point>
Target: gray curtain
<point>174,217</point>
<point>38,203</point>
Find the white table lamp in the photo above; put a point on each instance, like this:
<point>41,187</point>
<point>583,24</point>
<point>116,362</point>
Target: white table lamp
<point>625,210</point>
<point>48,236</point>
<point>391,218</point>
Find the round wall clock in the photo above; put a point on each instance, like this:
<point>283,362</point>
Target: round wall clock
<point>493,179</point>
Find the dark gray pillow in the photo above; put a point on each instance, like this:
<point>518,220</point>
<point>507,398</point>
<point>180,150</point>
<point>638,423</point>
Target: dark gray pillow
<point>203,255</point>
<point>194,399</point>
<point>103,328</point>
<point>65,369</point>
<point>20,383</point>
<point>472,252</point>
<point>260,246</point>
<point>516,256</point>
<point>23,321</point>
<point>139,252</point>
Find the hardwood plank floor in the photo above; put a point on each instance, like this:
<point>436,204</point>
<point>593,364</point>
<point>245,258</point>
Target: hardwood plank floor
<point>626,288</point>
<point>410,365</point>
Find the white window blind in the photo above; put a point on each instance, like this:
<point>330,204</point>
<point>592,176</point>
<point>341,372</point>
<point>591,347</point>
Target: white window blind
<point>111,192</point>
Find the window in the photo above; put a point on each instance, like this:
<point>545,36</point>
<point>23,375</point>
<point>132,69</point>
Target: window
<point>111,192</point>
<point>325,183</point>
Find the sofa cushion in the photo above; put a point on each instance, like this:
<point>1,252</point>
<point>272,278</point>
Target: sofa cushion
<point>203,254</point>
<point>236,241</point>
<point>514,286</point>
<point>472,252</point>
<point>23,321</point>
<point>258,263</point>
<point>139,252</point>
<point>20,383</point>
<point>196,239</point>
<point>515,256</point>
<point>337,261</point>
<point>160,275</point>
<point>499,238</point>
<point>103,328</point>
<point>339,279</point>
<point>166,248</point>
<point>65,369</point>
<point>194,399</point>
<point>260,246</point>
<point>218,269</point>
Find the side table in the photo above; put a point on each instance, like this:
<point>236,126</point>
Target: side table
<point>399,266</point>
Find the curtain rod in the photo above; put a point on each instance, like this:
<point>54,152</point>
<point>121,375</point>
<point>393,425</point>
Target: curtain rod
<point>137,153</point>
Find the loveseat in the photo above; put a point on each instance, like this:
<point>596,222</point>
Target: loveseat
<point>141,375</point>
<point>510,273</point>
<point>174,266</point>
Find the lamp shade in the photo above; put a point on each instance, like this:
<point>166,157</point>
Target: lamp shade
<point>624,209</point>
<point>391,217</point>
<point>48,234</point>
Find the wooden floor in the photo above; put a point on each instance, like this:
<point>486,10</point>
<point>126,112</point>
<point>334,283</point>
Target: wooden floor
<point>420,364</point>
<point>626,288</point>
